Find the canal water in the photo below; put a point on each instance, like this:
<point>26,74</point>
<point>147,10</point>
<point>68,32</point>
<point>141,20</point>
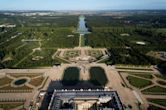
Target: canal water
<point>82,29</point>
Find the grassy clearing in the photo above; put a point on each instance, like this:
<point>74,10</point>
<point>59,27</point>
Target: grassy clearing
<point>133,68</point>
<point>98,76</point>
<point>46,60</point>
<point>71,76</point>
<point>161,30</point>
<point>60,60</point>
<point>152,107</point>
<point>82,41</point>
<point>158,101</point>
<point>155,90</point>
<point>160,76</point>
<point>161,83</point>
<point>143,75</point>
<point>138,82</point>
<point>57,37</point>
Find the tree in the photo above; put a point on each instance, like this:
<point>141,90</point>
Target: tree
<point>2,29</point>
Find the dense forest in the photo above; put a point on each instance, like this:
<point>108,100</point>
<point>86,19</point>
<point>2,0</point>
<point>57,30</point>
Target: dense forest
<point>119,34</point>
<point>45,32</point>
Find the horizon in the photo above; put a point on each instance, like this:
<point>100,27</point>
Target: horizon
<point>113,10</point>
<point>82,5</point>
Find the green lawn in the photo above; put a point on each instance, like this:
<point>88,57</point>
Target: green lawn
<point>161,30</point>
<point>138,82</point>
<point>98,76</point>
<point>158,101</point>
<point>58,38</point>
<point>134,68</point>
<point>155,90</point>
<point>160,76</point>
<point>152,107</point>
<point>46,61</point>
<point>82,41</point>
<point>143,75</point>
<point>162,82</point>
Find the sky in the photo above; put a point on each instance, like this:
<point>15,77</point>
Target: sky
<point>81,4</point>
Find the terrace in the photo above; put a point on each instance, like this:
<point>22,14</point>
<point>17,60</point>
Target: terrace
<point>78,54</point>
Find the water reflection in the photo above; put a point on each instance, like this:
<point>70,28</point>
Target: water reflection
<point>82,29</point>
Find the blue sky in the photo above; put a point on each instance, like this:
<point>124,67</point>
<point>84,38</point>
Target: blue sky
<point>81,4</point>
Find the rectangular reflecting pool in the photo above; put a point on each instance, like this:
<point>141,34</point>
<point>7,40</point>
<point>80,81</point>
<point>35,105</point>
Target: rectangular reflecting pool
<point>82,29</point>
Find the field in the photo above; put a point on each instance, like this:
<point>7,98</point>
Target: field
<point>134,68</point>
<point>153,107</point>
<point>44,60</point>
<point>162,82</point>
<point>158,101</point>
<point>138,82</point>
<point>144,75</point>
<point>155,90</point>
<point>82,41</point>
<point>161,76</point>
